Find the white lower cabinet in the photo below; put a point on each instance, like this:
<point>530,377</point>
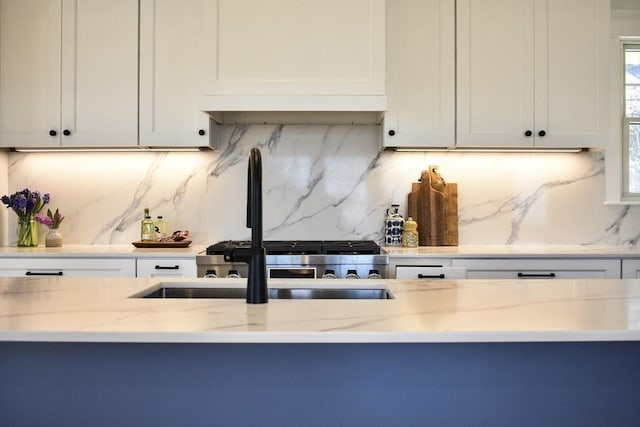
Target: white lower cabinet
<point>429,272</point>
<point>68,267</point>
<point>537,268</point>
<point>166,267</point>
<point>631,268</point>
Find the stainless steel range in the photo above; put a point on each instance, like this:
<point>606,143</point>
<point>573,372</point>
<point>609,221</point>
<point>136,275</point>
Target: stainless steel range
<point>301,259</point>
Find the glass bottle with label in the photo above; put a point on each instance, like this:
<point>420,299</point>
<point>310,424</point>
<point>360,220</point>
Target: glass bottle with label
<point>160,228</point>
<point>410,235</point>
<point>147,232</point>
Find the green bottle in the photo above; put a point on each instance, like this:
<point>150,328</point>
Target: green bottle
<point>147,232</point>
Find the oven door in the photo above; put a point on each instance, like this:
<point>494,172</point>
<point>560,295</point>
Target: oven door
<point>292,272</point>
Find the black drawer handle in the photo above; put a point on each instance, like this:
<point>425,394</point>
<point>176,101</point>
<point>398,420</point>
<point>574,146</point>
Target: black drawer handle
<point>525,275</point>
<point>165,267</point>
<point>43,273</point>
<point>431,276</point>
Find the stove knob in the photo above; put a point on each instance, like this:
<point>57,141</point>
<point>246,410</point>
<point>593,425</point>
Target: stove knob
<point>351,274</point>
<point>233,274</point>
<point>211,274</point>
<point>329,274</point>
<point>374,274</point>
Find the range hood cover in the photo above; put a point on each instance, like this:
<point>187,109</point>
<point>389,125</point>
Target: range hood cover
<point>294,109</point>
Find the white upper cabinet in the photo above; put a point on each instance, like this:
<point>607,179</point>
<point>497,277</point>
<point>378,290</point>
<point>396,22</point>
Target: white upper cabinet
<point>30,80</point>
<point>420,74</point>
<point>174,52</point>
<point>292,47</point>
<point>68,73</point>
<point>532,73</point>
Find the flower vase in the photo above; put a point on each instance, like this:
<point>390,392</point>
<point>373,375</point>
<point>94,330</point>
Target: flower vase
<point>53,239</point>
<point>27,232</point>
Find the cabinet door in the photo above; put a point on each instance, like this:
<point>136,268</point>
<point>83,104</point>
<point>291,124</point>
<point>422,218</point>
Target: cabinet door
<point>420,74</point>
<point>572,80</point>
<point>30,72</point>
<point>312,47</point>
<point>532,73</point>
<point>67,267</point>
<point>173,57</point>
<point>540,268</point>
<point>166,267</point>
<point>495,73</point>
<point>100,73</point>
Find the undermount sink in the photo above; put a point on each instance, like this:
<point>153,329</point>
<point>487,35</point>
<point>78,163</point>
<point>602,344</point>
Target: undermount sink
<point>181,290</point>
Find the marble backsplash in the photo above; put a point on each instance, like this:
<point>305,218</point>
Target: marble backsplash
<point>321,182</point>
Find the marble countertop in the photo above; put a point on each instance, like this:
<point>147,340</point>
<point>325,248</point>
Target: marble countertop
<point>516,251</point>
<point>100,251</point>
<point>100,310</point>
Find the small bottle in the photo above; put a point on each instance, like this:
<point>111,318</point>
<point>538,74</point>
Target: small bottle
<point>147,232</point>
<point>160,228</point>
<point>410,234</point>
<point>352,274</point>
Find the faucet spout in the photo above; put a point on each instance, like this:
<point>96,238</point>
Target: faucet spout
<point>257,278</point>
<point>255,255</point>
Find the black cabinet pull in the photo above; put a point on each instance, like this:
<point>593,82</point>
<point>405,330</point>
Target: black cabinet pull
<point>392,132</point>
<point>431,276</point>
<point>201,132</point>
<point>43,273</point>
<point>542,133</point>
<point>167,267</point>
<point>66,132</point>
<point>52,132</point>
<point>528,133</point>
<point>525,275</point>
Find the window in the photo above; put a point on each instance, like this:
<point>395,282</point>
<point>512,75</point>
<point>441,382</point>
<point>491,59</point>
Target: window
<point>631,120</point>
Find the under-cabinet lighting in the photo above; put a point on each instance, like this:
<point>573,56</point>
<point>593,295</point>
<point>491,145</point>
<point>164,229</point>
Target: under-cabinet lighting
<point>493,150</point>
<point>109,150</point>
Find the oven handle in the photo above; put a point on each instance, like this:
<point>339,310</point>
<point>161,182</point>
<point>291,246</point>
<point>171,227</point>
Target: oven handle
<point>292,273</point>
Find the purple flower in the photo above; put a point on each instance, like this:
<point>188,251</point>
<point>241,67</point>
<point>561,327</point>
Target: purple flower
<point>43,220</point>
<point>26,203</point>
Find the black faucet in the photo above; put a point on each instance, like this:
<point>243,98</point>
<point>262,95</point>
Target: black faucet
<point>255,256</point>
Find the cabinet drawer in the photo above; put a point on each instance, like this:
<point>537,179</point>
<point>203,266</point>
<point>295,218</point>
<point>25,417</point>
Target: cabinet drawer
<point>631,268</point>
<point>68,267</point>
<point>540,268</point>
<point>429,272</point>
<point>166,267</point>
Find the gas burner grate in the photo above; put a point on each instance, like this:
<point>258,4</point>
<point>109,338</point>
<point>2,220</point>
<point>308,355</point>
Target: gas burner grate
<point>304,247</point>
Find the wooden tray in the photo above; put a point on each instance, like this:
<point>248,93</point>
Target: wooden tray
<point>180,244</point>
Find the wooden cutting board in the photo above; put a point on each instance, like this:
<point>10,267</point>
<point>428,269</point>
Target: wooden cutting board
<point>433,204</point>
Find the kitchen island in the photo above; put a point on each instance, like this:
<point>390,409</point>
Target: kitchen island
<point>472,352</point>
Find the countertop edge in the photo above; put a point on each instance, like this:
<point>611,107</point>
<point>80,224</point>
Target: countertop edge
<point>262,337</point>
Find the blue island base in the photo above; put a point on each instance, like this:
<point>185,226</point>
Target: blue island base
<point>488,384</point>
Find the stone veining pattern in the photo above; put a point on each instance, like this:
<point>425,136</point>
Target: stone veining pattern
<point>322,182</point>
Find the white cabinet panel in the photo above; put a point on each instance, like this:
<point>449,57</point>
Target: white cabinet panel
<point>174,56</point>
<point>166,267</point>
<point>532,73</point>
<point>68,73</point>
<point>311,47</point>
<point>67,267</point>
<point>631,268</point>
<point>30,81</point>
<point>540,268</point>
<point>420,74</point>
<point>426,272</point>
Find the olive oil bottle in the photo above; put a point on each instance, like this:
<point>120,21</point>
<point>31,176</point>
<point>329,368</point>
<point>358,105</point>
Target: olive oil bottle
<point>147,231</point>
